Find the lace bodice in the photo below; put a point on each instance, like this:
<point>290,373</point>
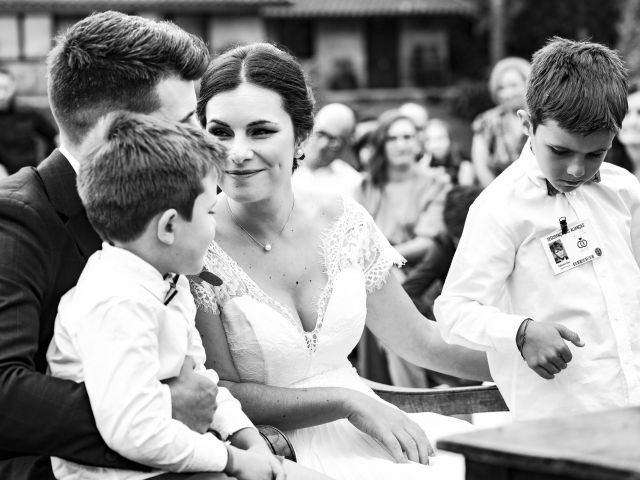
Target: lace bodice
<point>267,343</point>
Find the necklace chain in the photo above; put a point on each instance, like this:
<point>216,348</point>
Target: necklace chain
<point>267,245</point>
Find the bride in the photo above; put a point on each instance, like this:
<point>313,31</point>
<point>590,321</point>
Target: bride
<point>302,275</point>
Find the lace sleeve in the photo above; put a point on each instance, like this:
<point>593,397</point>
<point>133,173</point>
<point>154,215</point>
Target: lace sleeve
<point>208,298</point>
<point>372,251</point>
<point>204,296</point>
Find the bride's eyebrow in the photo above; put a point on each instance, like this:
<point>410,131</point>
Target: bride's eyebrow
<point>250,124</point>
<point>261,122</point>
<point>219,122</point>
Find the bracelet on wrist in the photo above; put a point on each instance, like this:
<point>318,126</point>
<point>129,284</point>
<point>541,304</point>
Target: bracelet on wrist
<point>521,337</point>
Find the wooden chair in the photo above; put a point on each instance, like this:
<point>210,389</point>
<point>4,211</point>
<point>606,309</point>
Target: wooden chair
<point>445,401</point>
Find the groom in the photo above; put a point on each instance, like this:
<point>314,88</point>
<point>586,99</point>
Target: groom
<point>108,61</point>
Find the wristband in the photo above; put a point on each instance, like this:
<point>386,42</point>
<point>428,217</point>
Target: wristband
<point>521,337</point>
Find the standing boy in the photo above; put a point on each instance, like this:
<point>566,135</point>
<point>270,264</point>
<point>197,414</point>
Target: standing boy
<point>507,295</point>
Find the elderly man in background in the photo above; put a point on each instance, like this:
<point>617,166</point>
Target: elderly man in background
<point>324,166</point>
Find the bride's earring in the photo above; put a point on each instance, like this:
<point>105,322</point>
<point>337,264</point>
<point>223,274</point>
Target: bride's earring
<point>299,154</point>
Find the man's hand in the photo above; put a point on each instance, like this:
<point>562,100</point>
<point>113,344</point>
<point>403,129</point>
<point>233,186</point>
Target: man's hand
<point>545,350</point>
<point>193,397</point>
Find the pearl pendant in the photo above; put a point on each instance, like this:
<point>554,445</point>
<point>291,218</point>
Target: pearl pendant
<point>267,247</point>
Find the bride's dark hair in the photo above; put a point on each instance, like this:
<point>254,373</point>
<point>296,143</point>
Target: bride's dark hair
<point>266,66</point>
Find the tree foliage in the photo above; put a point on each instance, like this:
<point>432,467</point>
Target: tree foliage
<point>530,23</point>
<point>629,36</point>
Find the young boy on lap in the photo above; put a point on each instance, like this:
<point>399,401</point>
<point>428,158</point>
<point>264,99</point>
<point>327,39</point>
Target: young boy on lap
<point>149,189</point>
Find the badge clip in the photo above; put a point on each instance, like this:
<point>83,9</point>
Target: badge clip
<point>563,225</point>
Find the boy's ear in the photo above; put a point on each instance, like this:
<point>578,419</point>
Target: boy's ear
<point>167,226</point>
<point>525,121</point>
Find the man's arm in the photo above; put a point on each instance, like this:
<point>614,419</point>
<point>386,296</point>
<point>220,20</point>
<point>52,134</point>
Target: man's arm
<point>39,415</point>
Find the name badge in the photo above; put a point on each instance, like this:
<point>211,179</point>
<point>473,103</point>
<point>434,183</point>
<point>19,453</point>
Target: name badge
<point>575,247</point>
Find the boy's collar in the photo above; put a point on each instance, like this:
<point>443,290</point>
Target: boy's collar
<point>533,171</point>
<point>551,190</point>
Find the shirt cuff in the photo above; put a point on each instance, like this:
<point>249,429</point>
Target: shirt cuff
<point>166,401</point>
<point>219,455</point>
<point>503,332</point>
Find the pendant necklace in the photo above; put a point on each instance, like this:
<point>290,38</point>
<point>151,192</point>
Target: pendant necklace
<point>267,245</point>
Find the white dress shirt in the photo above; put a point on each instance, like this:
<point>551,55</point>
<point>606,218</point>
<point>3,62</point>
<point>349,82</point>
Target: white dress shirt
<point>114,333</point>
<point>501,275</point>
<point>73,161</point>
<point>337,177</point>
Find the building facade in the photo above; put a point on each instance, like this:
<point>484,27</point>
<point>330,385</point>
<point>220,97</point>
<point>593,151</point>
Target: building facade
<point>343,44</point>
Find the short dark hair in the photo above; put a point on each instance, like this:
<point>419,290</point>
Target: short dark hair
<point>266,66</point>
<point>581,85</point>
<point>137,166</point>
<point>112,61</point>
<point>378,162</point>
<point>456,206</point>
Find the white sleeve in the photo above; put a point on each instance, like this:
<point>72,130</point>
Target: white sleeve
<point>229,417</point>
<point>132,408</point>
<point>467,311</point>
<point>634,201</point>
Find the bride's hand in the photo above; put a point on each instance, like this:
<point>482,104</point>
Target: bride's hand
<point>390,427</point>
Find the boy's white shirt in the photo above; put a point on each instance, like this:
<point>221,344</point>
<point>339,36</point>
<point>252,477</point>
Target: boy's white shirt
<point>114,333</point>
<point>500,275</point>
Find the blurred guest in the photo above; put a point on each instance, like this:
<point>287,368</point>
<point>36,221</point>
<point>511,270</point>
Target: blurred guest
<point>441,152</point>
<point>498,136</point>
<point>424,282</point>
<point>324,167</point>
<point>419,115</point>
<point>625,149</point>
<point>406,203</point>
<point>362,147</point>
<point>26,135</point>
<point>435,264</point>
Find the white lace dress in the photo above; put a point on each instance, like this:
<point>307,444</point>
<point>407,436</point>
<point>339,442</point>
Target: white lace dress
<point>269,347</point>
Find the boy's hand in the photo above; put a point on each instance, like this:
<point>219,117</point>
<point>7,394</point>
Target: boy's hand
<point>253,464</point>
<point>193,397</point>
<point>545,351</point>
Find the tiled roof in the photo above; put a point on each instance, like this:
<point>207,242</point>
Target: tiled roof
<point>367,8</point>
<point>132,5</point>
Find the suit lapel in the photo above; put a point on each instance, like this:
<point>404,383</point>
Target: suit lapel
<point>59,181</point>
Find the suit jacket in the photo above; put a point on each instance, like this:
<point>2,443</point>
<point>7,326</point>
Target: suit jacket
<point>45,241</point>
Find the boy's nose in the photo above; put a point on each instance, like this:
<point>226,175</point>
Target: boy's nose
<point>576,168</point>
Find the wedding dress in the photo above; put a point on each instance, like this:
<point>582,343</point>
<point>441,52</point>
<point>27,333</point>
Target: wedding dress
<point>269,347</point>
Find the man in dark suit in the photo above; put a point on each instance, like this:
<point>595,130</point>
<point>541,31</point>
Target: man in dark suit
<point>105,62</point>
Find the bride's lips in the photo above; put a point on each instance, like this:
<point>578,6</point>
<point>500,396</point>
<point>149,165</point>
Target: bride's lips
<point>243,173</point>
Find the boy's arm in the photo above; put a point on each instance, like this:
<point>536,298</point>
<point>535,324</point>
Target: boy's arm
<point>229,417</point>
<point>466,311</point>
<point>467,314</point>
<point>39,415</point>
<point>634,202</point>
<point>131,407</point>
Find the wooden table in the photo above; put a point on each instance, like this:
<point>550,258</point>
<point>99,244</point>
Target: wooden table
<point>603,446</point>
